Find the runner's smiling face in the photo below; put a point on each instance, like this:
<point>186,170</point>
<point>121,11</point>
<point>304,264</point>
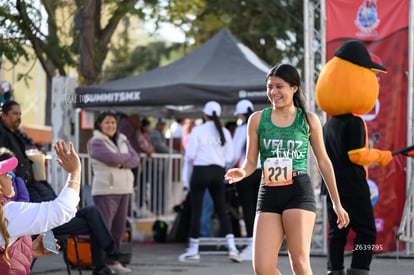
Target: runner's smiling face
<point>279,92</point>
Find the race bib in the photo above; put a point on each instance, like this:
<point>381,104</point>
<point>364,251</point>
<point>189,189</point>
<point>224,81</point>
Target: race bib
<point>277,171</point>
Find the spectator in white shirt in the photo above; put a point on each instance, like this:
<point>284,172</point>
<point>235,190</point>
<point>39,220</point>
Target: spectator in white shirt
<point>25,219</point>
<point>209,149</point>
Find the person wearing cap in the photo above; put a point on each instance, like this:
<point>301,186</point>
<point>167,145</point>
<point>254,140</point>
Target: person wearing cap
<point>208,151</point>
<point>112,157</point>
<point>286,203</point>
<point>347,88</point>
<point>87,221</point>
<point>25,219</point>
<point>248,188</point>
<point>20,190</point>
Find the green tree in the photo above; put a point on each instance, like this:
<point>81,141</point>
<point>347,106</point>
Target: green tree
<point>22,28</point>
<point>141,59</point>
<point>273,29</point>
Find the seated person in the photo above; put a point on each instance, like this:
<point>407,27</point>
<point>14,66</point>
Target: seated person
<point>88,221</point>
<point>20,220</point>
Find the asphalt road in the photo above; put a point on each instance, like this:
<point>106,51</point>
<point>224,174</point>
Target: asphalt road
<point>161,259</point>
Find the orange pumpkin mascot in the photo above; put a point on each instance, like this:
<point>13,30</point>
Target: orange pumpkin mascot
<point>348,87</point>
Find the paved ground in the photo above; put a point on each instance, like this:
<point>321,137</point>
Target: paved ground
<point>161,259</point>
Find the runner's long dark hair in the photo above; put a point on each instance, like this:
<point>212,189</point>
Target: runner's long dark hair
<point>219,127</point>
<point>289,74</point>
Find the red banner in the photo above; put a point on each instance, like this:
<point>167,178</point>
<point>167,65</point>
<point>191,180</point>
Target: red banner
<point>383,26</point>
<point>365,19</point>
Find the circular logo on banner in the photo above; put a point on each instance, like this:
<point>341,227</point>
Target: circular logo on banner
<point>367,18</point>
<point>373,188</point>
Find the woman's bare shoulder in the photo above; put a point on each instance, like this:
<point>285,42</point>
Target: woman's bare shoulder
<point>256,115</point>
<point>254,119</point>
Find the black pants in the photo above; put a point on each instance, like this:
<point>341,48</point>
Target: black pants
<point>211,177</point>
<point>248,190</point>
<point>362,222</point>
<point>89,221</point>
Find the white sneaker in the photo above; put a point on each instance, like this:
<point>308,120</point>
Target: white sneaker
<point>247,253</point>
<point>191,255</point>
<point>118,268</point>
<point>234,255</point>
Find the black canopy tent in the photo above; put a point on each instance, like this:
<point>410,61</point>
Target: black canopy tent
<point>222,69</point>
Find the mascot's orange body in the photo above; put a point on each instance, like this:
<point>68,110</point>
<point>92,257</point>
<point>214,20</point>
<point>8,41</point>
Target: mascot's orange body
<point>348,87</point>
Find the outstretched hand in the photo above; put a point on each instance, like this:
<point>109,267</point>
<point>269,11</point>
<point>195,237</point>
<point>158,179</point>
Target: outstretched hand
<point>68,159</point>
<point>234,175</point>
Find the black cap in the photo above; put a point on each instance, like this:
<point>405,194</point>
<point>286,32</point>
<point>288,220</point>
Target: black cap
<point>354,51</point>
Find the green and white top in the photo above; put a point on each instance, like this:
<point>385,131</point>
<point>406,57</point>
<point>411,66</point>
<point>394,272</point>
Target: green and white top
<point>284,142</point>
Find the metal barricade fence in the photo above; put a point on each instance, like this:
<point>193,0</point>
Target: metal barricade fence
<point>157,187</point>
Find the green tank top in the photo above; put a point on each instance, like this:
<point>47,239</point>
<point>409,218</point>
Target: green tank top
<point>284,142</point>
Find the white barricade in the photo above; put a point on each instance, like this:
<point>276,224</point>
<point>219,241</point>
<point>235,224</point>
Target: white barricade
<point>158,186</point>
